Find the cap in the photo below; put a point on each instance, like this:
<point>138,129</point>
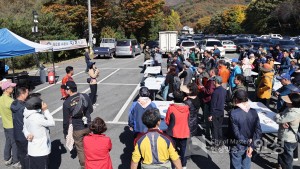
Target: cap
<point>6,84</point>
<point>235,60</point>
<point>187,63</point>
<point>218,79</point>
<point>294,60</point>
<point>34,103</point>
<point>91,64</point>
<point>71,85</point>
<point>251,55</point>
<point>284,76</point>
<point>266,67</point>
<point>144,92</point>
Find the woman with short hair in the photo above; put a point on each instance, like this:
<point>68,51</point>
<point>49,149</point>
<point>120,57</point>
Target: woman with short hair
<point>97,146</point>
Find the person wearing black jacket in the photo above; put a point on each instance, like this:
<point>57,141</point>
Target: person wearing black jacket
<point>17,108</point>
<point>77,109</point>
<point>194,104</point>
<point>87,59</point>
<point>217,112</point>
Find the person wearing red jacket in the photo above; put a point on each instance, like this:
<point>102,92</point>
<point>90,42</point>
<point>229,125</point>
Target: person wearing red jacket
<point>207,92</point>
<point>177,119</point>
<point>68,77</point>
<point>97,146</point>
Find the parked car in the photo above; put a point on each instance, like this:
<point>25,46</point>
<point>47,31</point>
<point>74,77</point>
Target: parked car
<point>128,47</point>
<point>208,44</point>
<point>103,52</point>
<point>286,44</point>
<point>188,44</point>
<point>276,36</point>
<point>107,48</point>
<point>229,46</point>
<point>240,42</point>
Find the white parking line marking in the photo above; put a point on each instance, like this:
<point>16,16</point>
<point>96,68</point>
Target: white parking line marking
<point>58,109</point>
<point>112,84</point>
<point>56,83</point>
<point>117,118</point>
<point>107,122</point>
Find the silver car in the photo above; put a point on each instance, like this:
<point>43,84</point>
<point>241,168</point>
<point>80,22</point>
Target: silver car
<point>128,47</point>
<point>229,46</point>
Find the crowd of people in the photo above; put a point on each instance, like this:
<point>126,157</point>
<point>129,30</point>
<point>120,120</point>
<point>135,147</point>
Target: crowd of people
<point>26,121</point>
<point>194,82</point>
<point>214,84</point>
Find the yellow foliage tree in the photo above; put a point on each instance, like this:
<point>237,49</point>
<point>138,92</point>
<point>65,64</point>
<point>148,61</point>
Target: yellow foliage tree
<point>203,23</point>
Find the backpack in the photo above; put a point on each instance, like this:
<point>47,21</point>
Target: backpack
<point>176,83</point>
<point>80,108</point>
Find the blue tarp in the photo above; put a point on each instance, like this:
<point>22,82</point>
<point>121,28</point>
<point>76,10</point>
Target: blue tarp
<point>12,45</point>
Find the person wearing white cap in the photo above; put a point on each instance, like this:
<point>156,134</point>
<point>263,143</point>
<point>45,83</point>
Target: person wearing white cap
<point>10,148</point>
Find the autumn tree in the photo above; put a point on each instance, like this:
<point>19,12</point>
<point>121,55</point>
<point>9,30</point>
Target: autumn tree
<point>136,13</point>
<point>203,23</point>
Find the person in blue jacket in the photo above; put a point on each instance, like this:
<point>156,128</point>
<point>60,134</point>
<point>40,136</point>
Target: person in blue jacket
<point>138,108</point>
<point>286,89</point>
<point>246,131</point>
<point>235,71</point>
<point>285,65</point>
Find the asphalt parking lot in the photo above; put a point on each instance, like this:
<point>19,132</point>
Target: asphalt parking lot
<point>118,86</point>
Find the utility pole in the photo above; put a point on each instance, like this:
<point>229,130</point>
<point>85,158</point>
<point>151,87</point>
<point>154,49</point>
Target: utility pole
<point>90,27</point>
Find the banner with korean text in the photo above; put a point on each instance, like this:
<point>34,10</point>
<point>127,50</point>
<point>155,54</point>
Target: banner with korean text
<point>60,45</point>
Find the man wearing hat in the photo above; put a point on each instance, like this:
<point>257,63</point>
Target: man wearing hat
<point>77,108</point>
<point>264,89</point>
<point>10,148</point>
<point>286,89</point>
<point>187,74</point>
<point>294,66</point>
<point>137,110</point>
<point>288,127</point>
<point>216,114</point>
<point>235,71</point>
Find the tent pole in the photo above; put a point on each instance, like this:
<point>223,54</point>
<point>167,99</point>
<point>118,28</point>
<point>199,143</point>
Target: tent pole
<point>53,67</point>
<point>13,66</point>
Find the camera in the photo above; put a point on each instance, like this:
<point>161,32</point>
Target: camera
<point>84,119</point>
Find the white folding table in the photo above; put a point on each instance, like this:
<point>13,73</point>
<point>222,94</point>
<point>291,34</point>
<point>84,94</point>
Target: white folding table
<point>266,117</point>
<point>153,70</point>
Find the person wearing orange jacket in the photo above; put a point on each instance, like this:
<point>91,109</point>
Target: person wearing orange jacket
<point>68,77</point>
<point>264,90</point>
<point>224,73</point>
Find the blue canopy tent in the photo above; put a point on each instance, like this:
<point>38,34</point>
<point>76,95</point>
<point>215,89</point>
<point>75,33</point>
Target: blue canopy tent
<point>13,45</point>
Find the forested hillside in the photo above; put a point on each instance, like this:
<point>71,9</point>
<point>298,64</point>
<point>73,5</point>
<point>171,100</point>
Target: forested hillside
<point>192,10</point>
